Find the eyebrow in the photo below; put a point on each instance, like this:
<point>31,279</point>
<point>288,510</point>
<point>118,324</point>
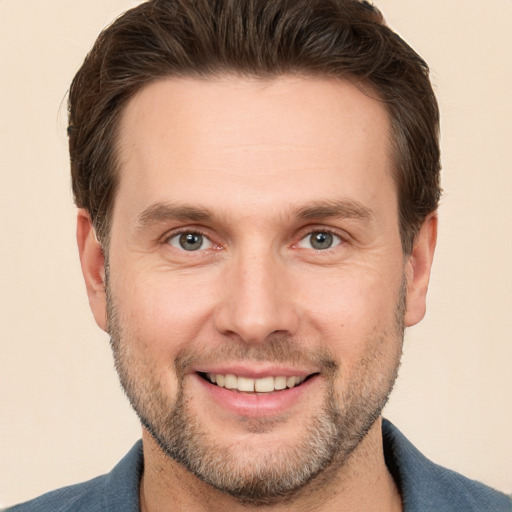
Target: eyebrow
<point>162,212</point>
<point>167,211</point>
<point>344,208</point>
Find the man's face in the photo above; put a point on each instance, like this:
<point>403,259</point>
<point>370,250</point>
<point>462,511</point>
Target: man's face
<point>254,247</point>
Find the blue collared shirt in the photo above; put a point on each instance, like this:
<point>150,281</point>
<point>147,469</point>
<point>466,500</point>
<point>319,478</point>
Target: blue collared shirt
<point>425,486</point>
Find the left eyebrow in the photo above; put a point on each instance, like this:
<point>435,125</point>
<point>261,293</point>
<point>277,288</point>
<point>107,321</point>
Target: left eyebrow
<point>344,208</point>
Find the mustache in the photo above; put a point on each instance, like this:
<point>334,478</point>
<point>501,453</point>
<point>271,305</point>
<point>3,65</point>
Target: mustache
<point>277,349</point>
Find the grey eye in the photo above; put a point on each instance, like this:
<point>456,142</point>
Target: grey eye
<point>190,241</point>
<point>320,240</point>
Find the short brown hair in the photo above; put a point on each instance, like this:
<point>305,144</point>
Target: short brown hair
<point>257,38</point>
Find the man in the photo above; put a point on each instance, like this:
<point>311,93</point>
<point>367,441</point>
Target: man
<point>258,184</point>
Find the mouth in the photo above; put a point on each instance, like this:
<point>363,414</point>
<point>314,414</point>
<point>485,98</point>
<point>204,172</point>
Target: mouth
<point>262,385</point>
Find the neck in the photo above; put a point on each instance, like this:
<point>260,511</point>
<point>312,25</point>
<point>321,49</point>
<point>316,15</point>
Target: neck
<point>362,483</point>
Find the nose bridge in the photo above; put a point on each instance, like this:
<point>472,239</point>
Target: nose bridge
<point>255,301</point>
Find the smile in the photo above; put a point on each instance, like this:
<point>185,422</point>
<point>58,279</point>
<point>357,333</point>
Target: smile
<point>247,385</point>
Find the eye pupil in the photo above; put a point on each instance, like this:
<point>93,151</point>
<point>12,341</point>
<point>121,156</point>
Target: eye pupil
<point>321,240</point>
<point>191,241</point>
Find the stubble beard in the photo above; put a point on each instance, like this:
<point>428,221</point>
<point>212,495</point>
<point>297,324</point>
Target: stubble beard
<point>327,441</point>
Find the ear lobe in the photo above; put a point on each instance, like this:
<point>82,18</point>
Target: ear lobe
<point>417,270</point>
<point>92,260</point>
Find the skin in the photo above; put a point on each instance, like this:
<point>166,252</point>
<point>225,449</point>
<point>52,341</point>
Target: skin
<point>267,160</point>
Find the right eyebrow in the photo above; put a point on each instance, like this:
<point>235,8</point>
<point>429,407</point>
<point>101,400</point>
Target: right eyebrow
<point>162,212</point>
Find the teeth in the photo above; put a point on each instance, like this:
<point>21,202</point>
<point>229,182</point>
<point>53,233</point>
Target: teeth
<point>290,382</point>
<point>280,382</point>
<point>265,385</point>
<point>247,385</point>
<point>230,381</point>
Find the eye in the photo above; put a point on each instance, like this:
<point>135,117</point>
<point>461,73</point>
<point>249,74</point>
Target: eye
<point>190,241</point>
<point>320,240</point>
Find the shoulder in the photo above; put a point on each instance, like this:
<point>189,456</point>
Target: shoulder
<point>86,496</point>
<point>117,490</point>
<point>428,486</point>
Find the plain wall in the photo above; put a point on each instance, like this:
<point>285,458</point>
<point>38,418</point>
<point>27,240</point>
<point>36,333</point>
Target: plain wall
<point>63,417</point>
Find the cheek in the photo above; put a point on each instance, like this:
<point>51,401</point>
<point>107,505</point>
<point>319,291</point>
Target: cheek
<point>355,301</point>
<point>161,310</point>
<point>354,312</point>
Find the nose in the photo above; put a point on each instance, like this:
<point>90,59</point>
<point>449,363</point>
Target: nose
<point>256,301</point>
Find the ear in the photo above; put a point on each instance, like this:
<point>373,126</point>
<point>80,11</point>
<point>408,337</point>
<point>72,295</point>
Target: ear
<point>92,260</point>
<point>417,270</point>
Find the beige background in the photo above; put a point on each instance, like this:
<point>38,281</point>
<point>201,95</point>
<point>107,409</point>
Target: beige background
<point>63,417</point>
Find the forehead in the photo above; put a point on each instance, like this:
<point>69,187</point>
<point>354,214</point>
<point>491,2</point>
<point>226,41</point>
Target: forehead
<point>235,141</point>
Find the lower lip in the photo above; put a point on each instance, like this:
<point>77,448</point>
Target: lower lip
<point>256,405</point>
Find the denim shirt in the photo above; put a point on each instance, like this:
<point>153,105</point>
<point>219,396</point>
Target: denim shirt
<point>424,486</point>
